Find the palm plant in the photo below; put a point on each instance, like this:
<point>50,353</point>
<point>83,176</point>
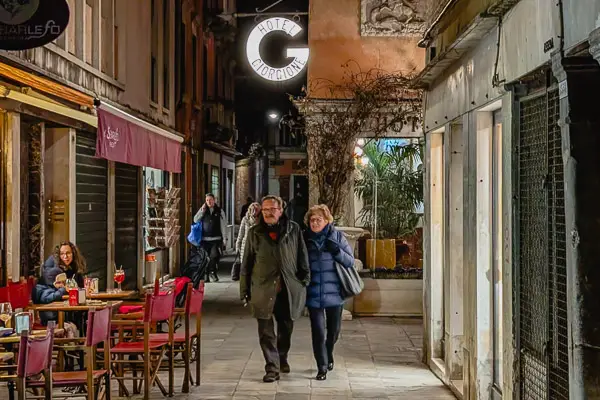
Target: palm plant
<point>399,179</point>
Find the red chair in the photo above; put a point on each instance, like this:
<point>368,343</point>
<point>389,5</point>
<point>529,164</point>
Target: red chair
<point>35,358</point>
<point>98,331</point>
<point>4,295</point>
<point>157,308</point>
<point>19,294</point>
<point>187,342</point>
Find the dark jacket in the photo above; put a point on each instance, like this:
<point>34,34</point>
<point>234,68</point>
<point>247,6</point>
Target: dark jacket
<point>46,294</point>
<point>214,224</point>
<point>51,263</point>
<point>265,261</point>
<point>324,288</point>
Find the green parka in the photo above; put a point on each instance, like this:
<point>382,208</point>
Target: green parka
<point>265,260</point>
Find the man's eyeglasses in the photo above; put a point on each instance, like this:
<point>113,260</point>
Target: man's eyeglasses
<point>270,210</point>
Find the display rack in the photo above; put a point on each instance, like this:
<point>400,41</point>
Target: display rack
<point>162,218</point>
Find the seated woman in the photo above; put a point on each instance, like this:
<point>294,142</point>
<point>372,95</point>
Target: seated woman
<point>68,258</point>
<point>45,294</point>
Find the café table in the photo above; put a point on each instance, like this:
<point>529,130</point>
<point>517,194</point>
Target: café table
<point>122,295</point>
<point>15,339</point>
<point>60,307</point>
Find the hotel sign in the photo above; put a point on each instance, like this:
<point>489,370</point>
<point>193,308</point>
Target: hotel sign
<point>299,55</point>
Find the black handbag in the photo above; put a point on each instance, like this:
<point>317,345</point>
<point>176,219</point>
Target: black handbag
<point>351,283</point>
<point>235,269</point>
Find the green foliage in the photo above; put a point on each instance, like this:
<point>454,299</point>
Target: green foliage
<point>399,179</point>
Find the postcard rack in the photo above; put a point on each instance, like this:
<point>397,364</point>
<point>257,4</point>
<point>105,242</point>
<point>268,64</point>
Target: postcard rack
<point>162,218</point>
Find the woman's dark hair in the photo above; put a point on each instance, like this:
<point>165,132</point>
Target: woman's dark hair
<point>209,195</point>
<point>78,264</point>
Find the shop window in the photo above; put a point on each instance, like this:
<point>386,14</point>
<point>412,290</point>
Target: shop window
<point>155,180</point>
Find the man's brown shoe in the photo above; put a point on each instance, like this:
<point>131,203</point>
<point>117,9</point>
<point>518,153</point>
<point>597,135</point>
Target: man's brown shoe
<point>284,367</point>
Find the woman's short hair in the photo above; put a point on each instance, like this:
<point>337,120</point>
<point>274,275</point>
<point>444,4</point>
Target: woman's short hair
<point>320,209</point>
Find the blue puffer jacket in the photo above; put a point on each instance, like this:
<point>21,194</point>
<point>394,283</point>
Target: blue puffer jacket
<point>44,294</point>
<point>324,288</point>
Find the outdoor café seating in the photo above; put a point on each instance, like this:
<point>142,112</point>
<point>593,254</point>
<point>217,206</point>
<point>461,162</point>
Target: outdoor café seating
<point>117,325</point>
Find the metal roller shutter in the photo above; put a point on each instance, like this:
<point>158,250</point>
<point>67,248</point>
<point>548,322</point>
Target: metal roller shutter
<point>91,217</point>
<point>126,221</point>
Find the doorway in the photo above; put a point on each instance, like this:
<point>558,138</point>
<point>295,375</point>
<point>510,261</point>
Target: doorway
<point>299,185</point>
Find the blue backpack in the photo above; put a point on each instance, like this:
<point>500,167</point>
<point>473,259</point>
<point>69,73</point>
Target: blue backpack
<point>195,236</point>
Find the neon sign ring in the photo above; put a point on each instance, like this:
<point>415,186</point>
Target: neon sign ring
<point>263,69</point>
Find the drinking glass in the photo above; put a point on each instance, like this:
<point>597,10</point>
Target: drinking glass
<point>5,314</point>
<point>119,277</point>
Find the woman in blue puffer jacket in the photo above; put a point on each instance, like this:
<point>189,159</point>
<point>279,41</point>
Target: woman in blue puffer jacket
<point>326,247</point>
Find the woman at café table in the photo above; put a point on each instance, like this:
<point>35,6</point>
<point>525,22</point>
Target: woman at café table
<point>68,258</point>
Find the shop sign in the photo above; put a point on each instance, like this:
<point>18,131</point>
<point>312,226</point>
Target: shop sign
<point>26,24</point>
<point>264,70</point>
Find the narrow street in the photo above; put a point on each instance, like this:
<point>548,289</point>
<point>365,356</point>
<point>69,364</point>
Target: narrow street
<point>375,358</point>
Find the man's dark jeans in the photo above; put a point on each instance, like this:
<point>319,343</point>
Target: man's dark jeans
<point>275,347</point>
<point>321,319</point>
<point>213,248</point>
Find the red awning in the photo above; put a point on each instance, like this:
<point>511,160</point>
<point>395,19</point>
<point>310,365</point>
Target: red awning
<point>124,138</point>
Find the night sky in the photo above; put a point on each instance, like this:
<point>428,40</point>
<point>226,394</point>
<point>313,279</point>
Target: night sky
<point>255,96</point>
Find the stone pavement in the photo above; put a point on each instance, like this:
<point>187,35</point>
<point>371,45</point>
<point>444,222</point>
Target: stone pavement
<point>376,358</point>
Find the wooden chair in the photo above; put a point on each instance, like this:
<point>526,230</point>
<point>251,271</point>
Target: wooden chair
<point>98,331</point>
<point>184,341</point>
<point>35,358</point>
<point>157,308</point>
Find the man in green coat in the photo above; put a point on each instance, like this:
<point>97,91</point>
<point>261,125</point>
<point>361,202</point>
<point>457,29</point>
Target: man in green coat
<point>273,279</point>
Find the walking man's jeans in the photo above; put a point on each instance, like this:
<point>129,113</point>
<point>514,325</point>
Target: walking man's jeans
<point>275,347</point>
<point>213,248</point>
<point>322,319</point>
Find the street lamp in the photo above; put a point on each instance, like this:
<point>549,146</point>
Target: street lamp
<point>273,116</point>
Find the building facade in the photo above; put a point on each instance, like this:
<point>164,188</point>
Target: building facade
<point>140,66</point>
<point>359,36</point>
<point>206,68</point>
<point>509,243</point>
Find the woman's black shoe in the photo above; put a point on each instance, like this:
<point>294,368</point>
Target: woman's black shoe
<point>321,376</point>
<point>330,366</point>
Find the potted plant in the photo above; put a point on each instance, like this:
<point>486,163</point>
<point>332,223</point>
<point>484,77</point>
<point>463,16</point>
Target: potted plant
<point>390,185</point>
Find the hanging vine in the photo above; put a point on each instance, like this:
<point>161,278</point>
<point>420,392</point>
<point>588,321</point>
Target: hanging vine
<point>371,104</point>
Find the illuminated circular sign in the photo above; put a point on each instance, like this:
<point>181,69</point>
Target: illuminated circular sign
<point>263,69</point>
